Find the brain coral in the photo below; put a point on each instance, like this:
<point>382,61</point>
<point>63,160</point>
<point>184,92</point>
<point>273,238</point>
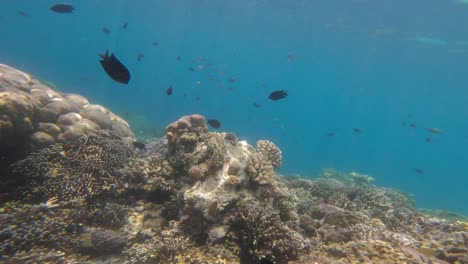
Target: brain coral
<point>271,152</point>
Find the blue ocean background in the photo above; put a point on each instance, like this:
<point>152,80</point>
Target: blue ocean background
<point>345,64</point>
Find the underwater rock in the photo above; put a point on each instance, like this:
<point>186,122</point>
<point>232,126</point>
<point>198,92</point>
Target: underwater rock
<point>26,105</point>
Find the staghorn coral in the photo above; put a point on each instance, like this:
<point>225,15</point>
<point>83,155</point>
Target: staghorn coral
<point>260,170</point>
<point>262,236</point>
<point>271,152</point>
<point>37,229</point>
<point>80,169</point>
<point>162,248</point>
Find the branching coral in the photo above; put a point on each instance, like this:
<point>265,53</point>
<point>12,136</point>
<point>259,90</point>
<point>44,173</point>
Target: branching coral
<point>262,236</point>
<point>79,169</point>
<point>271,152</point>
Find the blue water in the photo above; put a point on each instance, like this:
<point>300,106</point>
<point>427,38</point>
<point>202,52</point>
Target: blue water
<point>353,64</point>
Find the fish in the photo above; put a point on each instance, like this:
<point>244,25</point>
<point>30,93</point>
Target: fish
<point>214,123</point>
<point>23,14</point>
<point>178,58</point>
<point>155,43</point>
<point>139,145</point>
<point>191,69</point>
<point>403,123</point>
<point>434,130</point>
<point>169,91</point>
<point>412,125</point>
<point>62,8</point>
<point>124,26</point>
<point>277,95</point>
<point>357,130</point>
<point>256,105</point>
<point>114,68</point>
<point>232,80</point>
<point>291,58</point>
<point>418,170</point>
<point>140,56</point>
<point>106,31</point>
<point>428,139</point>
<point>330,134</point>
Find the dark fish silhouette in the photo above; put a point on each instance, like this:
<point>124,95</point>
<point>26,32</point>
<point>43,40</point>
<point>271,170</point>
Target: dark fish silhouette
<point>191,69</point>
<point>232,80</point>
<point>178,58</point>
<point>155,43</point>
<point>412,125</point>
<point>417,170</point>
<point>330,134</point>
<point>140,56</point>
<point>169,91</point>
<point>106,31</point>
<point>214,123</point>
<point>357,130</point>
<point>124,26</point>
<point>277,95</point>
<point>256,105</point>
<point>428,139</point>
<point>403,123</point>
<point>139,145</point>
<point>23,14</point>
<point>62,8</point>
<point>114,68</point>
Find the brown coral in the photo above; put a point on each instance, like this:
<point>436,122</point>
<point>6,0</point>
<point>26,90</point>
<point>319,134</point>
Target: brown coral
<point>260,170</point>
<point>190,123</point>
<point>198,171</point>
<point>271,152</point>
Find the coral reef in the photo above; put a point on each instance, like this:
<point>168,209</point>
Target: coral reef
<point>203,197</point>
<point>33,115</point>
<point>78,169</point>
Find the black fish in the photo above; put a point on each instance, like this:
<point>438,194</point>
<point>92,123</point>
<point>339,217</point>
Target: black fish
<point>23,14</point>
<point>140,56</point>
<point>62,8</point>
<point>232,80</point>
<point>139,145</point>
<point>277,95</point>
<point>106,30</point>
<point>125,25</point>
<point>178,58</point>
<point>412,125</point>
<point>155,43</point>
<point>417,170</point>
<point>114,68</point>
<point>330,134</point>
<point>357,130</point>
<point>169,91</point>
<point>256,105</point>
<point>191,69</point>
<point>214,123</point>
<point>428,139</point>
